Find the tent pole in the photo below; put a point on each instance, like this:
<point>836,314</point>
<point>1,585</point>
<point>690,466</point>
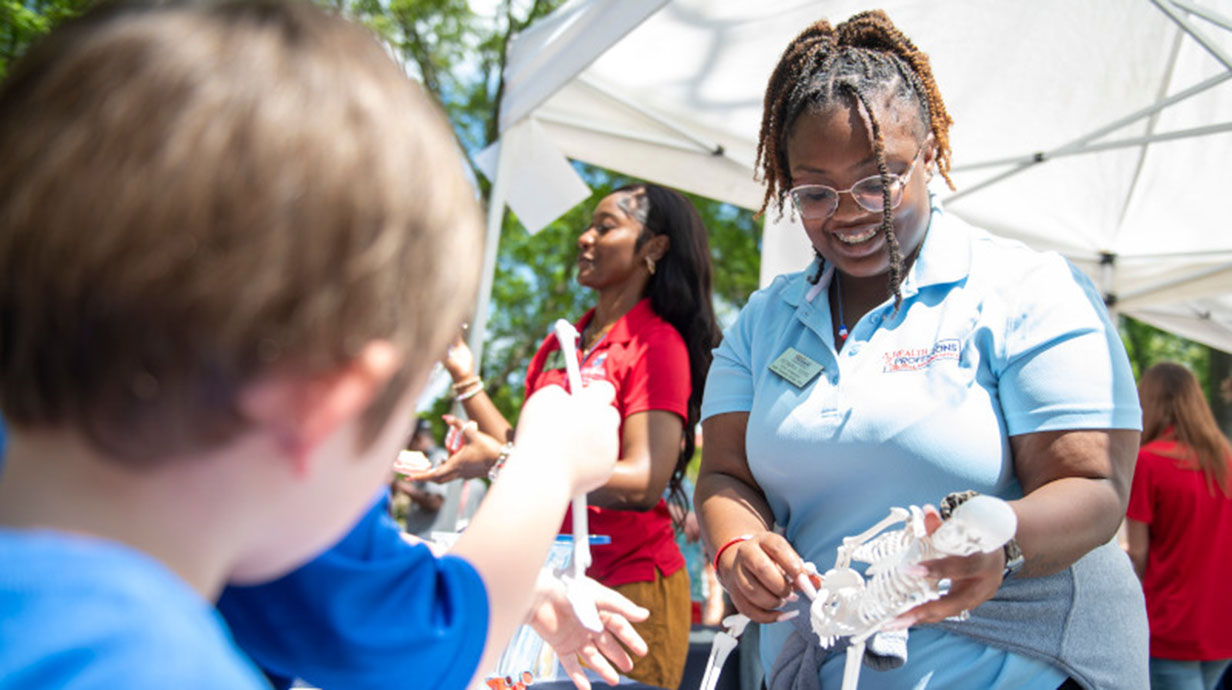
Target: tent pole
<point>1079,143</point>
<point>1206,130</point>
<point>496,214</point>
<point>1206,13</point>
<point>1219,54</point>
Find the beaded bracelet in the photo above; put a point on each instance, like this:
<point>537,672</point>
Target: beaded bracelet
<point>505,451</point>
<point>476,390</point>
<point>731,542</point>
<point>465,383</point>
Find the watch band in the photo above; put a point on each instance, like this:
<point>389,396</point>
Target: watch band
<point>1013,558</point>
<point>1013,554</point>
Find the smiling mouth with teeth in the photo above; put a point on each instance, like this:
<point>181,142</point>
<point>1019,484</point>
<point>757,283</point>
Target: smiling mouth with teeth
<point>856,238</point>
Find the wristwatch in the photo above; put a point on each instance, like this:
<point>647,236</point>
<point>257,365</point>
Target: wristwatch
<point>1013,558</point>
<point>1013,555</point>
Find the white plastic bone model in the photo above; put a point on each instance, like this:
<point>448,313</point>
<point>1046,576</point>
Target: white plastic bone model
<point>849,605</point>
<point>724,642</point>
<point>575,589</point>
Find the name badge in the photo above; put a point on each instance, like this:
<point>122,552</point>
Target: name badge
<point>795,367</point>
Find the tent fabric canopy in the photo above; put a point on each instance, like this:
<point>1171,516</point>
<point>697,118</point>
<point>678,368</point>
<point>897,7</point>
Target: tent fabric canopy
<point>1098,129</point>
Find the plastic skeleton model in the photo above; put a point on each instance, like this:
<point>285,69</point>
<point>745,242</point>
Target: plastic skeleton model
<point>575,588</point>
<point>857,606</point>
<point>724,643</point>
<point>849,605</point>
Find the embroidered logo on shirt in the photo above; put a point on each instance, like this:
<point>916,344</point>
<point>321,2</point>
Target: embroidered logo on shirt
<point>914,359</point>
<point>593,371</point>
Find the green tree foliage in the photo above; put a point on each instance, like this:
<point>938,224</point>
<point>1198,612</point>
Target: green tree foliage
<point>22,21</point>
<point>1147,345</point>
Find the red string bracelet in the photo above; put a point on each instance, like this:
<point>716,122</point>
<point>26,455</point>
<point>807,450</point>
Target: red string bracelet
<point>731,542</point>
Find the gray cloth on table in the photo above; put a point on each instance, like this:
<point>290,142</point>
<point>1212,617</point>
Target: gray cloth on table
<point>799,661</point>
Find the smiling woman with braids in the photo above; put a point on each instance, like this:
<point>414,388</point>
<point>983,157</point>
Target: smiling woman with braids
<point>917,357</point>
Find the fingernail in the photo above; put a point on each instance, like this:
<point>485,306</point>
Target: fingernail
<point>806,585</point>
<point>917,570</point>
<point>900,623</point>
<point>787,616</point>
<point>793,597</point>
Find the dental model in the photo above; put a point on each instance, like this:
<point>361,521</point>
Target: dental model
<point>855,606</point>
<point>411,462</point>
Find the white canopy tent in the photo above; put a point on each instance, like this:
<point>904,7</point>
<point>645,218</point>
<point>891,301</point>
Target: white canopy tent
<point>1098,128</point>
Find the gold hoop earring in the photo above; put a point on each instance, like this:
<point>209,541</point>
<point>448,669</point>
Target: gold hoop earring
<point>650,265</point>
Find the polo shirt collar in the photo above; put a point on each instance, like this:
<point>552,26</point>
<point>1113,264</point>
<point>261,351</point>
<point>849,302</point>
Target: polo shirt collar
<point>944,258</point>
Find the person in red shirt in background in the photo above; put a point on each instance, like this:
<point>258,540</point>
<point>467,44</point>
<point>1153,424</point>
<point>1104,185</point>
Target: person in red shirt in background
<point>1180,530</point>
<point>646,255</point>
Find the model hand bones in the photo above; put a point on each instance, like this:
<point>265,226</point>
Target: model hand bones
<point>849,604</point>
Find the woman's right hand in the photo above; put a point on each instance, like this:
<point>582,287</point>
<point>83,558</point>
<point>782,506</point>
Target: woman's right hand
<point>760,574</point>
<point>459,361</point>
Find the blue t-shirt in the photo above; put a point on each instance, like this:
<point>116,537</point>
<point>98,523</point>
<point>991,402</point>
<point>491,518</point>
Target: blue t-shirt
<point>78,613</point>
<point>371,612</point>
<point>992,340</point>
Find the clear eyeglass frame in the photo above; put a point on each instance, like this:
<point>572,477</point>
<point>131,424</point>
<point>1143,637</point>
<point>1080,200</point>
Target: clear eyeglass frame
<point>819,201</point>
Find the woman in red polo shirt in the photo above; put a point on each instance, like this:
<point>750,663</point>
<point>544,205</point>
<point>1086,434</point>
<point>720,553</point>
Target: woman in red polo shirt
<point>1180,530</point>
<point>650,333</point>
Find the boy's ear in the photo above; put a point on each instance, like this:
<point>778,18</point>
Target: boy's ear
<point>302,411</point>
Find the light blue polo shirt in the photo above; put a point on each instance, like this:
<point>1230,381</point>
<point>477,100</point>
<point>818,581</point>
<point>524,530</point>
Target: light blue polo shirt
<point>992,340</point>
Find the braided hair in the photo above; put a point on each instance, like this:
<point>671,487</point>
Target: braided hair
<point>863,61</point>
<point>680,293</point>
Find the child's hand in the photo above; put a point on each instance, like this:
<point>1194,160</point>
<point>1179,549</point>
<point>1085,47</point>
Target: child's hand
<point>559,626</point>
<point>579,432</point>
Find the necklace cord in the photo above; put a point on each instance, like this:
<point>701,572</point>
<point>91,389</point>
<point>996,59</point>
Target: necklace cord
<point>842,323</point>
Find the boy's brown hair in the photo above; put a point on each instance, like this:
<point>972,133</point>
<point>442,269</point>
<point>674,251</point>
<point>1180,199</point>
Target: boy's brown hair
<point>192,195</point>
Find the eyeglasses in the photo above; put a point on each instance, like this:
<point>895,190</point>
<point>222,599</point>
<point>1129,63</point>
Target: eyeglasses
<point>818,201</point>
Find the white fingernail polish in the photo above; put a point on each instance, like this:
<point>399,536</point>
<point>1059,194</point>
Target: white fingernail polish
<point>786,616</point>
<point>806,585</point>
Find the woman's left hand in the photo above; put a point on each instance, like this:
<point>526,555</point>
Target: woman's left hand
<point>973,579</point>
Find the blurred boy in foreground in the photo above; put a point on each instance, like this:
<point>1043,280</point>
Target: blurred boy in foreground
<point>221,233</point>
